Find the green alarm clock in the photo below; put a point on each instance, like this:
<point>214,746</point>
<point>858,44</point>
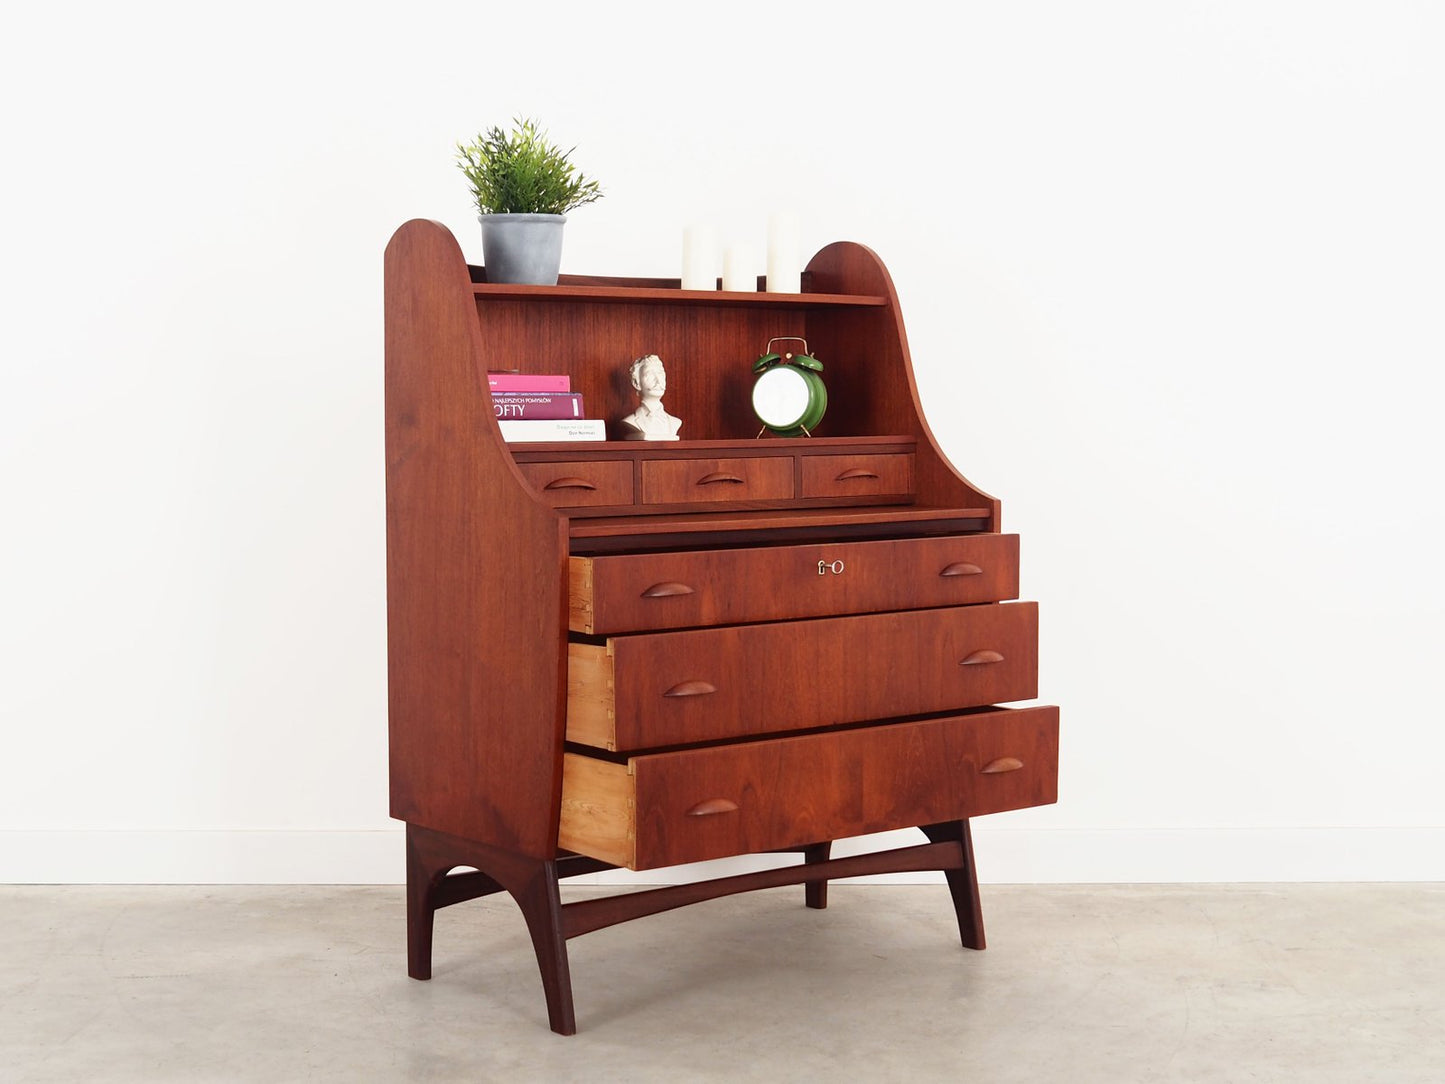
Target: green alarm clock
<point>789,397</point>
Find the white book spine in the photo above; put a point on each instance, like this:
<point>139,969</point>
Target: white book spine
<point>516,431</point>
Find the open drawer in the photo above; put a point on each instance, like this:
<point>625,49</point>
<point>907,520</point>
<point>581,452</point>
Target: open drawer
<point>664,809</point>
<point>638,592</point>
<point>699,685</point>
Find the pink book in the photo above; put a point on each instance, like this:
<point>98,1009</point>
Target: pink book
<point>516,404</point>
<point>529,382</point>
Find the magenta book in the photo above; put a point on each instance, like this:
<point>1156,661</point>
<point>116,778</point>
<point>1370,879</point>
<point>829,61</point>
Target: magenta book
<point>521,405</point>
<point>529,382</point>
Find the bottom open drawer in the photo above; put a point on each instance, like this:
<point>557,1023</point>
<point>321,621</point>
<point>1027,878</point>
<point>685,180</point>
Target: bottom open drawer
<point>664,809</point>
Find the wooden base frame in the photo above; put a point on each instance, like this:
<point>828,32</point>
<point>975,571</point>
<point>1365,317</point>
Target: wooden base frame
<point>533,884</point>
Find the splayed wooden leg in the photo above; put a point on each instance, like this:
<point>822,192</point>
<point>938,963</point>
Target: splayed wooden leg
<point>531,882</point>
<point>424,870</point>
<point>541,905</point>
<point>962,883</point>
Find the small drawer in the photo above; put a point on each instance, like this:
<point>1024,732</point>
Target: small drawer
<point>678,688</point>
<point>638,592</point>
<point>574,485</point>
<point>696,481</point>
<point>856,475</point>
<point>691,805</point>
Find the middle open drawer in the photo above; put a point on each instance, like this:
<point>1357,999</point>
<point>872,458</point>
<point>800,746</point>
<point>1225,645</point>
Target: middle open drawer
<point>678,688</point>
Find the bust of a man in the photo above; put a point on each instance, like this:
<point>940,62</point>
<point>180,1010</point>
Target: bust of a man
<point>649,421</point>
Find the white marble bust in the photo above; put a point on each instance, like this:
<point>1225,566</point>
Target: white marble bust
<point>649,421</point>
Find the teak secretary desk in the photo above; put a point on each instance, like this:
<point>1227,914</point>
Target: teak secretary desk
<point>633,654</point>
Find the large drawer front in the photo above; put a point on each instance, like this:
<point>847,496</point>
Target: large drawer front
<point>688,806</point>
<point>676,688</point>
<point>638,592</point>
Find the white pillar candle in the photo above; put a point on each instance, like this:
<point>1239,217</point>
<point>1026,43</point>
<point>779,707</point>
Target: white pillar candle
<point>785,264</point>
<point>699,264</point>
<point>738,273</point>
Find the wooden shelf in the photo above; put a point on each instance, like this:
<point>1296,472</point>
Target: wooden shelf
<point>671,296</point>
<point>540,451</point>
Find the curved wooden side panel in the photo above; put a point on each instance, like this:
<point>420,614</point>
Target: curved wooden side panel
<point>476,588</point>
<point>875,338</point>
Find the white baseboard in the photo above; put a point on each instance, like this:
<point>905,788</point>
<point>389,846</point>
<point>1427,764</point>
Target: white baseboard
<point>1005,856</point>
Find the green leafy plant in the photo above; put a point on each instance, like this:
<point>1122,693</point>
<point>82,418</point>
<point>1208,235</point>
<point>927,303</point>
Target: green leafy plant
<point>521,172</point>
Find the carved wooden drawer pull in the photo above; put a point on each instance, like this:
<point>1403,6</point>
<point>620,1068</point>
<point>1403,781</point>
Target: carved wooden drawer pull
<point>667,590</point>
<point>691,688</point>
<point>1002,764</point>
<point>719,476</point>
<point>962,568</point>
<point>978,658</point>
<point>856,472</point>
<point>569,483</point>
<point>712,806</point>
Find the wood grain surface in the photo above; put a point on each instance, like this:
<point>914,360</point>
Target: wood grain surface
<point>691,588</point>
<point>476,600</point>
<point>855,475</point>
<point>793,675</point>
<point>707,480</point>
<point>788,791</point>
<point>580,483</point>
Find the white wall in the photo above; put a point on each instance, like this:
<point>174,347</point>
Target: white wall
<point>1173,276</point>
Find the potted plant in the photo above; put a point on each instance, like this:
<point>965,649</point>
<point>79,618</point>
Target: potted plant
<point>523,186</point>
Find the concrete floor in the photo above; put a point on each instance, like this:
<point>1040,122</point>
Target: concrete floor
<point>1081,983</point>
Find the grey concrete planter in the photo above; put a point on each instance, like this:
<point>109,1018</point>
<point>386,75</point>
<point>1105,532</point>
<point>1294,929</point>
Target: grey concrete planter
<point>522,248</point>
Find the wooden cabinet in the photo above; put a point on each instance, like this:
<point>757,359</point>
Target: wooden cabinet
<point>645,654</point>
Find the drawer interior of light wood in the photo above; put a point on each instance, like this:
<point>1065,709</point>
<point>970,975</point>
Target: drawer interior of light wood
<point>591,696</point>
<point>599,810</point>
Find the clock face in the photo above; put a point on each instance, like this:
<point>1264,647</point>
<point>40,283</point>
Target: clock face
<point>781,397</point>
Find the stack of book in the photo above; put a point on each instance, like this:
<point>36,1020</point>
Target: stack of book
<point>533,407</point>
